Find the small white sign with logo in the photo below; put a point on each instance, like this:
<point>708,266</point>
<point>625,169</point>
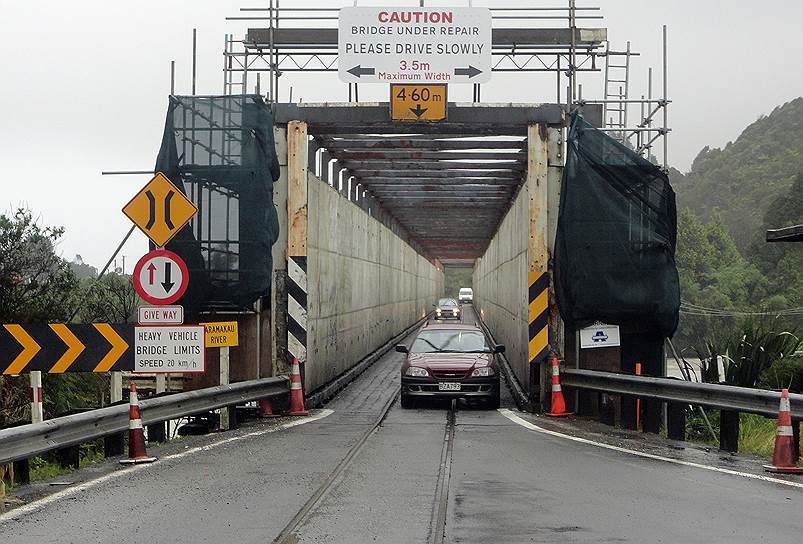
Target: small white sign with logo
<point>599,335</point>
<point>160,349</point>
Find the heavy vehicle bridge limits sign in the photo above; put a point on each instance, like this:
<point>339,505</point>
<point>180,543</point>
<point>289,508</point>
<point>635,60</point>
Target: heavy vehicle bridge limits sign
<point>414,45</point>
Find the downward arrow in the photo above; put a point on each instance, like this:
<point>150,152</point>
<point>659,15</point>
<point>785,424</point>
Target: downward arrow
<point>359,71</point>
<point>167,284</point>
<point>418,110</point>
<point>470,71</point>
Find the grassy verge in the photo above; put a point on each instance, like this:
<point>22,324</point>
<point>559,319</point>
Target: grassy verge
<point>756,433</point>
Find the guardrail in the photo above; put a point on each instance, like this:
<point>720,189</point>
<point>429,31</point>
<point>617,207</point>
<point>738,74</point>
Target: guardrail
<point>28,440</point>
<point>725,397</point>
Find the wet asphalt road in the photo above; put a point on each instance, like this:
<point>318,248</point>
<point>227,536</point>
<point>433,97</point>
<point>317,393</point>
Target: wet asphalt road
<point>507,484</point>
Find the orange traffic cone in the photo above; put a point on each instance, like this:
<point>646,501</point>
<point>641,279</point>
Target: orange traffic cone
<point>783,457</point>
<point>558,404</point>
<point>296,393</point>
<point>266,409</point>
<point>136,436</point>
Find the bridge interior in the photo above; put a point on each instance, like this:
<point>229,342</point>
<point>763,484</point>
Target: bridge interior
<point>447,185</point>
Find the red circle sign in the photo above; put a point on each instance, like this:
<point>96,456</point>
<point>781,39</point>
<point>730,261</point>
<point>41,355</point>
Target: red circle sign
<point>161,277</point>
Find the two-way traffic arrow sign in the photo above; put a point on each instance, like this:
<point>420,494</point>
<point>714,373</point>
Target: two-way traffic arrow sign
<point>161,277</point>
<point>59,347</point>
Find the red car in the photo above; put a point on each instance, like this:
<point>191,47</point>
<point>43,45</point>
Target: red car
<point>448,361</point>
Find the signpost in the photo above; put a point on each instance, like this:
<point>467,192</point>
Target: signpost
<point>160,210</point>
<point>160,349</point>
<point>161,277</point>
<point>417,102</point>
<point>414,45</point>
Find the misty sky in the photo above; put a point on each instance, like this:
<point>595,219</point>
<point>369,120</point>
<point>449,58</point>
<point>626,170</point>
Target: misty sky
<point>84,85</point>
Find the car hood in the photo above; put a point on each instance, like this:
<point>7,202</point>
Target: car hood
<point>462,361</point>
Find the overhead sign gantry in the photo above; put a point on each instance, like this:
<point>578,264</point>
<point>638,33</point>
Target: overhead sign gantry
<point>421,45</point>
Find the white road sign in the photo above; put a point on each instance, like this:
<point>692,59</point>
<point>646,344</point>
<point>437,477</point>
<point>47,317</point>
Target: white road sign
<point>169,349</point>
<point>599,335</point>
<point>414,45</point>
<point>160,315</point>
<point>161,277</point>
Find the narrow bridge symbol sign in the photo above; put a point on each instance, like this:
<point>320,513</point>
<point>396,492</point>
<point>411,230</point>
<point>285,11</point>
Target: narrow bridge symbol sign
<point>160,210</point>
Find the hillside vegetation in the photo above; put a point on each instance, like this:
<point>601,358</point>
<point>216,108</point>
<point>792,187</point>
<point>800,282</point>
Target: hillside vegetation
<point>744,178</point>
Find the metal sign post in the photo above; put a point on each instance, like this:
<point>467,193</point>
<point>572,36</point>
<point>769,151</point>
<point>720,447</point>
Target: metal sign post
<point>418,45</point>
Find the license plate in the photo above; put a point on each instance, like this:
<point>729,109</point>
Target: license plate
<point>444,386</point>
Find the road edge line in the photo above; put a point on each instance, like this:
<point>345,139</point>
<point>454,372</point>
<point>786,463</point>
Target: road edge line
<point>44,501</point>
<point>533,427</point>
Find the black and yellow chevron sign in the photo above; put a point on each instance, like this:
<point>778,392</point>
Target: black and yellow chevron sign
<point>538,300</point>
<point>57,348</point>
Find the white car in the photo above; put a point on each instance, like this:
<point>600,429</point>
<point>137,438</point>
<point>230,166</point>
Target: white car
<point>465,295</point>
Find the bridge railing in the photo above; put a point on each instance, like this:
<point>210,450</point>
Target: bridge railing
<point>22,442</point>
<point>724,397</point>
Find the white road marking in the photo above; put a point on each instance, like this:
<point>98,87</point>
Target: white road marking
<point>533,427</point>
<point>44,501</point>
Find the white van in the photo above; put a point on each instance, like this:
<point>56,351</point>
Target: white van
<point>466,295</point>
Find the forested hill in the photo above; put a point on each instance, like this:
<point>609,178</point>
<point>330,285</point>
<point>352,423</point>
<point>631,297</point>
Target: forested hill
<point>748,175</point>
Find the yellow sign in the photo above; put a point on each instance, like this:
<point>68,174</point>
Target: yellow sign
<point>160,210</point>
<point>417,102</point>
<point>221,334</point>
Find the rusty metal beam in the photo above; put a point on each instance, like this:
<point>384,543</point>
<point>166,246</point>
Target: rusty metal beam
<point>392,143</point>
<point>414,154</point>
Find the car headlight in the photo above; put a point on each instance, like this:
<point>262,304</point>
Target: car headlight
<point>416,372</point>
<point>483,372</point>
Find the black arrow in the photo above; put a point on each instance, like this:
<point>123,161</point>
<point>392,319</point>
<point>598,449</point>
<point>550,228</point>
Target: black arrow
<point>470,71</point>
<point>418,110</point>
<point>167,284</point>
<point>359,71</point>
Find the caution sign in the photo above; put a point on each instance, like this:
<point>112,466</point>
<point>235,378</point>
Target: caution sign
<point>222,334</point>
<point>414,45</point>
<point>417,102</point>
<point>59,347</point>
<point>160,210</point>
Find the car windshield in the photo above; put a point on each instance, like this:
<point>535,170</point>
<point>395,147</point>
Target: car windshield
<point>450,341</point>
<point>465,291</point>
<point>447,302</point>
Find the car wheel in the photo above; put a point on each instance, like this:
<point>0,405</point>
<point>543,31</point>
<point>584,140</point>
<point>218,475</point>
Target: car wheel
<point>493,402</point>
<point>407,401</point>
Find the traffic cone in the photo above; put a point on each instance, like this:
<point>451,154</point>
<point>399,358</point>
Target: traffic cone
<point>296,393</point>
<point>136,436</point>
<point>266,409</point>
<point>783,457</point>
<point>558,404</point>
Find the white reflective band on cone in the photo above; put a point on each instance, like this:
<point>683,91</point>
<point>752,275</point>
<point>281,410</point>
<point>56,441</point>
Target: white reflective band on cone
<point>295,385</point>
<point>555,387</point>
<point>785,405</point>
<point>785,430</point>
<point>132,398</point>
<point>134,424</point>
<point>555,370</point>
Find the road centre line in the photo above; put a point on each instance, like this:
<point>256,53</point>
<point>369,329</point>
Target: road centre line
<point>531,426</point>
<point>44,501</point>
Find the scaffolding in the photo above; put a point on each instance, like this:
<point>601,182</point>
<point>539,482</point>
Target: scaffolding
<point>534,39</point>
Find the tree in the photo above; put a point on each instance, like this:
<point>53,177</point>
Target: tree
<point>110,299</point>
<point>36,285</point>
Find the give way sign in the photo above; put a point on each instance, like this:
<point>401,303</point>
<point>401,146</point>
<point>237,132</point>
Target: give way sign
<point>161,277</point>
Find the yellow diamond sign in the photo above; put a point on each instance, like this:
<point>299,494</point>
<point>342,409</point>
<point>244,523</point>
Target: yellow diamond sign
<point>160,210</point>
